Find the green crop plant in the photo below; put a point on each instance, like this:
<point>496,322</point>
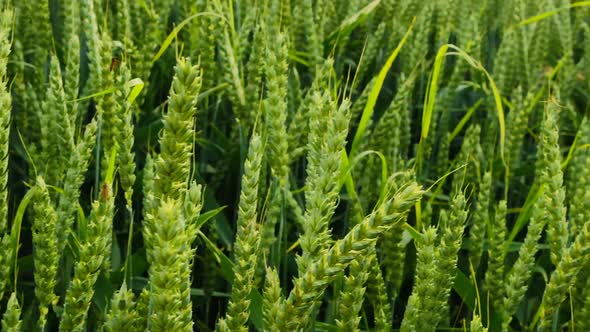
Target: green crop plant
<point>283,165</point>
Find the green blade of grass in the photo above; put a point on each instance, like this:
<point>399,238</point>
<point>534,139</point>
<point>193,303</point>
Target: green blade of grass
<point>110,173</point>
<point>547,14</point>
<point>464,287</point>
<point>347,167</point>
<point>227,271</point>
<point>573,148</point>
<point>15,231</point>
<point>370,106</point>
<point>464,119</point>
<point>414,234</point>
<point>172,35</point>
<point>97,94</point>
<point>525,213</point>
<point>353,21</point>
<point>432,89</point>
<point>136,86</point>
<point>204,217</point>
<point>428,108</point>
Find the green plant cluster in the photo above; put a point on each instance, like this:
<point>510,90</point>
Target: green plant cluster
<point>294,165</point>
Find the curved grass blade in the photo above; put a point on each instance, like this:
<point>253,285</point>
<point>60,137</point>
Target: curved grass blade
<point>347,167</point>
<point>370,106</point>
<point>464,119</point>
<point>353,21</point>
<point>526,211</point>
<point>15,231</point>
<point>204,217</point>
<point>110,174</point>
<point>432,89</point>
<point>136,86</point>
<point>177,29</point>
<point>547,14</point>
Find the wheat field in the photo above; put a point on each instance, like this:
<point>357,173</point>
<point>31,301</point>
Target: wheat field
<point>294,165</point>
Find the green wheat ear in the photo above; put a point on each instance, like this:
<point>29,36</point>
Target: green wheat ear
<point>93,251</point>
<point>6,249</point>
<point>419,300</point>
<point>124,139</point>
<point>46,255</point>
<point>451,237</point>
<point>578,181</point>
<point>6,254</point>
<point>5,115</point>
<point>476,325</point>
<point>11,321</point>
<point>173,164</point>
<point>278,156</point>
<point>548,210</point>
<point>89,26</point>
<point>494,277</point>
<point>552,180</point>
<point>74,178</point>
<point>169,257</point>
<point>327,138</point>
<point>256,99</point>
<point>273,302</point>
<point>564,277</point>
<point>246,247</point>
<point>57,131</point>
<point>123,314</point>
<point>480,219</point>
<point>378,295</point>
<point>353,293</point>
<point>324,269</point>
<point>275,107</point>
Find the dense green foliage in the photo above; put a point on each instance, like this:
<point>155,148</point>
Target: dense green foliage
<point>294,165</point>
